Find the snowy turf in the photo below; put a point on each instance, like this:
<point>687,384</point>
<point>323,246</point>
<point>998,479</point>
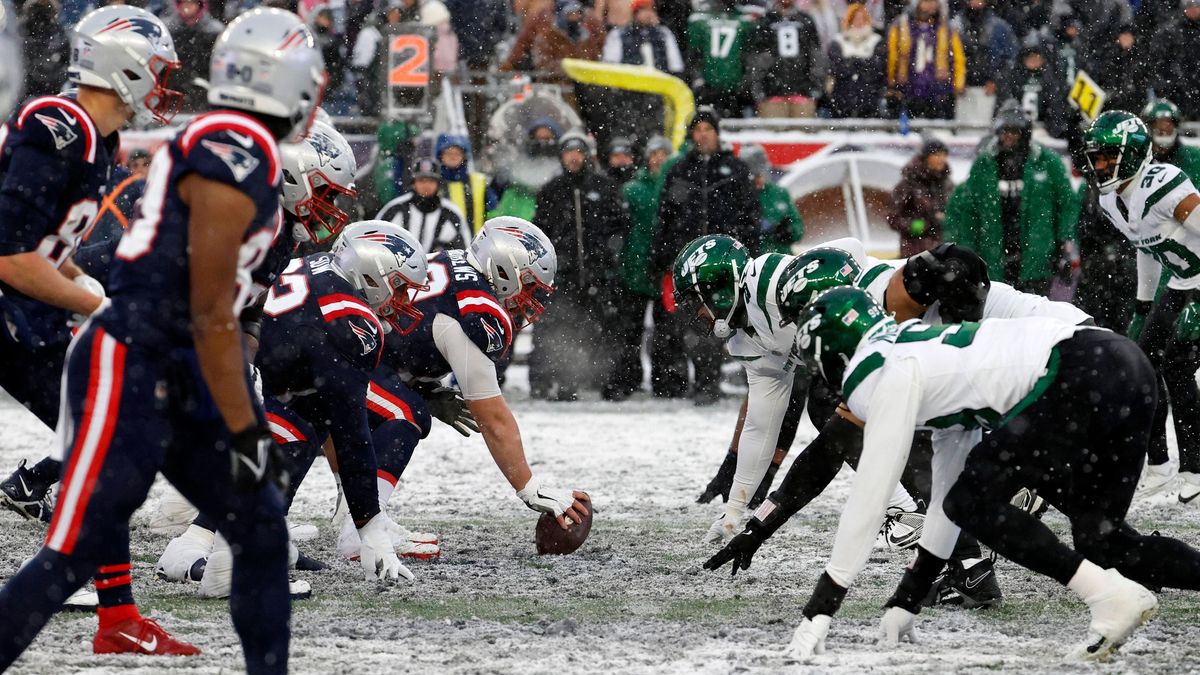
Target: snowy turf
<point>632,600</point>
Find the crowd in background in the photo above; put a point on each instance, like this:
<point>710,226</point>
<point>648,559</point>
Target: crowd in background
<point>619,200</point>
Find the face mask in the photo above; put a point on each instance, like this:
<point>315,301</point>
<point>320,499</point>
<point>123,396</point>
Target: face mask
<point>543,149</point>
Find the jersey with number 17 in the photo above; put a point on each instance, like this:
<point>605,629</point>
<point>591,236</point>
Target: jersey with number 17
<point>150,282</point>
<point>1145,213</point>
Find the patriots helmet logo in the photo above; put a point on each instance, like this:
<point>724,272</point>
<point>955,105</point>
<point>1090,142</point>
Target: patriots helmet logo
<point>369,337</point>
<point>142,26</point>
<point>240,162</point>
<point>327,150</point>
<point>530,242</point>
<point>60,131</point>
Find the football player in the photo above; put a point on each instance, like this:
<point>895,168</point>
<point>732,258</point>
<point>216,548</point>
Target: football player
<point>58,154</point>
<point>1069,408</point>
<point>946,285</point>
<point>1154,206</point>
<point>157,380</point>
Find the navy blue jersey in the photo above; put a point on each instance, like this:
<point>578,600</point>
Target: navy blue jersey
<point>320,341</point>
<point>149,284</point>
<point>54,167</point>
<point>459,291</point>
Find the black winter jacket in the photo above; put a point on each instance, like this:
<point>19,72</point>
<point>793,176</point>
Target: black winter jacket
<point>585,218</point>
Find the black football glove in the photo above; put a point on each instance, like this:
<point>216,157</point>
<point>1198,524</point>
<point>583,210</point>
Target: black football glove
<point>257,461</point>
<point>740,550</point>
<point>447,405</point>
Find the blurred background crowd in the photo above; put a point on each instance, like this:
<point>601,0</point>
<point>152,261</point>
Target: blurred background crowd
<point>619,198</point>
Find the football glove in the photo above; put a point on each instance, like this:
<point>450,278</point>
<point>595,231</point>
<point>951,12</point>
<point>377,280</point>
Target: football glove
<point>722,529</point>
<point>897,624</point>
<point>1138,321</point>
<point>740,550</point>
<point>447,404</point>
<point>256,461</point>
<point>377,555</point>
<point>809,638</point>
<point>94,287</point>
<point>545,499</point>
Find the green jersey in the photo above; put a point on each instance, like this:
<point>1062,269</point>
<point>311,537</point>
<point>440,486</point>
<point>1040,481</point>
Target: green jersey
<point>719,40</point>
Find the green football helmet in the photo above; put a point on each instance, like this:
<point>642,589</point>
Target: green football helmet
<point>1162,109</point>
<point>812,272</point>
<point>831,328</point>
<point>708,271</point>
<point>1121,141</point>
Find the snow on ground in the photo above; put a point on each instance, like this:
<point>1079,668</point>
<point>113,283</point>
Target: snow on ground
<point>632,600</point>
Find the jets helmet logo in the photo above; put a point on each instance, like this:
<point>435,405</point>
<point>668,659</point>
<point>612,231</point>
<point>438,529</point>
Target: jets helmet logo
<point>60,131</point>
<point>240,162</point>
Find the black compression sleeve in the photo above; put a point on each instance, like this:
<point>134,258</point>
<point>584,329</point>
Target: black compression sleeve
<point>918,578</point>
<point>814,469</point>
<point>826,598</point>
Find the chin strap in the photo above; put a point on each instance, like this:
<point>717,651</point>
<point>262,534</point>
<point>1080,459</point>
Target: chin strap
<point>723,328</point>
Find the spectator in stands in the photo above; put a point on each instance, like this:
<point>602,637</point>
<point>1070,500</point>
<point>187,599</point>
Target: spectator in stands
<point>990,48</point>
<point>1163,119</point>
<point>1027,16</point>
<point>541,143</point>
<point>615,13</point>
<point>717,45</point>
<point>1103,21</point>
<point>641,42</point>
<point>827,14</point>
<point>925,87</point>
<point>1016,209</point>
<point>479,25</point>
<point>47,47</point>
<point>468,190</point>
<point>1177,61</point>
<point>857,67</point>
<point>195,33</point>
<point>707,191</point>
<point>368,56</point>
<point>918,206</point>
<point>1121,71</point>
<point>435,221</point>
<point>548,38</point>
<point>117,210</point>
<point>574,344</point>
<point>787,68</point>
<point>780,224</point>
<point>331,44</point>
<point>1065,58</point>
<point>621,161</point>
<point>1040,87</point>
<point>641,198</point>
<point>1109,263</point>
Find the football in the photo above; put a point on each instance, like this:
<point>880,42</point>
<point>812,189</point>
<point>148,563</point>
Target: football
<point>551,539</point>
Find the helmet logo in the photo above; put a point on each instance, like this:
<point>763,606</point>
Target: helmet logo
<point>697,258</point>
<point>240,162</point>
<point>1129,126</point>
<point>795,284</point>
<point>142,26</point>
<point>294,38</point>
<point>804,337</point>
<point>327,150</point>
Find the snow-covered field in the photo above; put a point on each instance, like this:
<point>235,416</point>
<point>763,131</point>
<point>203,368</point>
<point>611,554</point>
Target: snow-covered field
<point>633,600</point>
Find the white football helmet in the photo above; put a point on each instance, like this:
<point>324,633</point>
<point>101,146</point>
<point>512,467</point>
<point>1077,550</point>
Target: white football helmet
<point>318,183</point>
<point>128,50</point>
<point>12,70</point>
<point>387,265</point>
<point>267,62</point>
<point>519,262</point>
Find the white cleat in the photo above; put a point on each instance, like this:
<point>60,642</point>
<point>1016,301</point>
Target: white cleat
<point>302,531</point>
<point>1189,487</point>
<point>1156,479</point>
<point>82,600</point>
<point>173,515</point>
<point>406,542</point>
<point>184,558</point>
<point>218,575</point>
<point>1116,614</point>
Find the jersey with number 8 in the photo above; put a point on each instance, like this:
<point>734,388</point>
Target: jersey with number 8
<point>1145,213</point>
<point>973,374</point>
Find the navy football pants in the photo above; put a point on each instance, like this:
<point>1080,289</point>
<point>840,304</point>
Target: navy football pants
<point>135,412</point>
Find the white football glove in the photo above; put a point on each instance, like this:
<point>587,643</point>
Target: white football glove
<point>809,638</point>
<point>544,499</point>
<point>377,555</point>
<point>256,383</point>
<point>722,530</point>
<point>897,624</point>
<point>94,287</point>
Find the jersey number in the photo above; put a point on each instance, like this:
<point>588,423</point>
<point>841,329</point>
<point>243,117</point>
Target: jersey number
<point>788,41</point>
<point>59,246</point>
<point>956,335</point>
<point>410,61</point>
<point>723,36</point>
<point>1176,257</point>
<point>289,292</point>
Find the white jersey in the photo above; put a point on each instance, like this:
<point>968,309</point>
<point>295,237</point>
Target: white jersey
<point>950,377</point>
<point>1145,213</point>
<point>764,336</point>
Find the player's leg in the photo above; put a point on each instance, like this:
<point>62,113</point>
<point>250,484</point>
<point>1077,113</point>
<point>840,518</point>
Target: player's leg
<point>33,377</point>
<point>1182,359</point>
<point>1155,339</point>
<point>253,524</point>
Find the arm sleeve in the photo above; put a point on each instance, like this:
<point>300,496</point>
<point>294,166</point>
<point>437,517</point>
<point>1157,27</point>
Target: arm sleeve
<point>475,372</point>
<point>27,197</point>
<point>887,440</point>
<point>770,390</point>
<point>950,448</point>
<point>1149,272</point>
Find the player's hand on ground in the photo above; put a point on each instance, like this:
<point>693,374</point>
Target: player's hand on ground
<point>558,502</point>
<point>722,529</point>
<point>447,405</point>
<point>377,555</point>
<point>740,550</point>
<point>896,625</point>
<point>809,638</point>
<point>257,461</point>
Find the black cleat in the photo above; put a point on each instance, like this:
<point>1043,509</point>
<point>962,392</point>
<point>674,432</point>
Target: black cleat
<point>307,564</point>
<point>973,587</point>
<point>26,494</point>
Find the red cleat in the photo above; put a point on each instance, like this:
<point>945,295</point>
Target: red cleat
<point>139,636</point>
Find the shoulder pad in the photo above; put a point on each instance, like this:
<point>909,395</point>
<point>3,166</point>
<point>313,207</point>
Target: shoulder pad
<point>352,328</point>
<point>231,147</point>
<point>60,125</point>
<point>485,322</point>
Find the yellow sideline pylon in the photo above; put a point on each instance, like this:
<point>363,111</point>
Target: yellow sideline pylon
<point>644,79</point>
